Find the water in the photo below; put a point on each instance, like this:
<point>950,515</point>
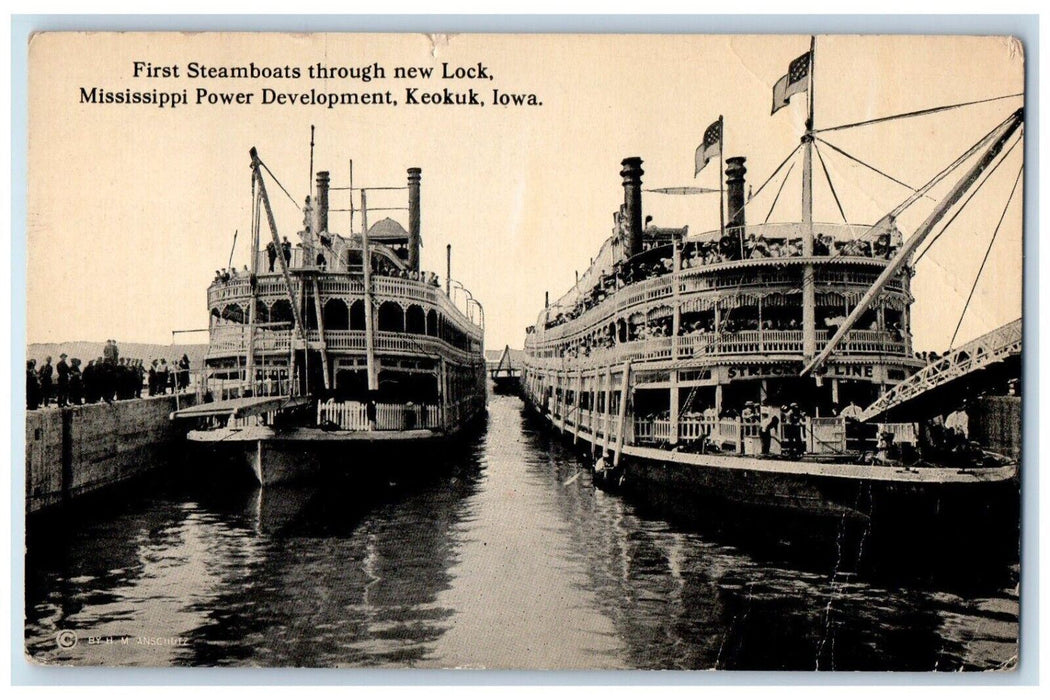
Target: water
<point>503,556</point>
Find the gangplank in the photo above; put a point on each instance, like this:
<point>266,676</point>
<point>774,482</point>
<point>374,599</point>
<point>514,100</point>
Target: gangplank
<point>993,356</point>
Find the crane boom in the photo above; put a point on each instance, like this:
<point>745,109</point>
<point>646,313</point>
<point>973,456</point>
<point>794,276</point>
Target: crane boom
<point>277,242</point>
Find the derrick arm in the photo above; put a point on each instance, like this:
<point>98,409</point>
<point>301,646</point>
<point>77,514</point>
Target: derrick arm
<point>277,242</point>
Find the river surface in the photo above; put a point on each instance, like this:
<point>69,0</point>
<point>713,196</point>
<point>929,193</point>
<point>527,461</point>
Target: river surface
<point>504,556</point>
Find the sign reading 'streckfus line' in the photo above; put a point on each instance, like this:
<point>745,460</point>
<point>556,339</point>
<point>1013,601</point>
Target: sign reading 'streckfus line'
<point>426,94</point>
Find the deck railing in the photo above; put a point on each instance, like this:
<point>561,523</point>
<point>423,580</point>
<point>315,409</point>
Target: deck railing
<point>823,435</point>
<point>232,338</point>
<point>764,342</point>
<point>271,287</point>
<point>697,280</point>
<point>353,415</point>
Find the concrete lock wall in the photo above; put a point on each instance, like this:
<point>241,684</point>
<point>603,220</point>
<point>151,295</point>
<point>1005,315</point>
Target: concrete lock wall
<point>80,449</point>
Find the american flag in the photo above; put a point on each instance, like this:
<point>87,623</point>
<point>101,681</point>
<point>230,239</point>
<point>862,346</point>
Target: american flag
<point>711,146</point>
<point>796,80</point>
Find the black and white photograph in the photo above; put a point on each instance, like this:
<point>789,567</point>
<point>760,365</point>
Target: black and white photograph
<point>516,351</point>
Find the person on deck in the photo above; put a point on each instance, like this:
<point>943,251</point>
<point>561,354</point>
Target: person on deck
<point>44,375</point>
<point>104,380</point>
<point>286,248</point>
<point>110,353</point>
<point>271,254</point>
<point>76,382</point>
<point>62,370</point>
<point>184,372</point>
<point>32,386</point>
<point>958,426</point>
<point>90,388</point>
<point>370,413</point>
<point>162,377</point>
<point>766,431</point>
<point>792,432</point>
<point>140,376</point>
<point>851,411</point>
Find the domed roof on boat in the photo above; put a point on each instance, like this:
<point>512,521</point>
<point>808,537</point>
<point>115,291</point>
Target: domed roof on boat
<point>387,230</point>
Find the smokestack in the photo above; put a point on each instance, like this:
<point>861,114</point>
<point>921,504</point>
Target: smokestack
<point>414,176</point>
<point>321,205</point>
<point>735,171</point>
<point>632,199</point>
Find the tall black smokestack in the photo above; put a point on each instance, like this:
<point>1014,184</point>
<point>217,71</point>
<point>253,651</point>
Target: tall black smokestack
<point>632,199</point>
<point>735,171</point>
<point>414,177</point>
<point>321,204</point>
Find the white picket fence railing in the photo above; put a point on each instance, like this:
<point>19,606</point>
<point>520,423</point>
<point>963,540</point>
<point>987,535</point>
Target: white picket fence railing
<point>353,415</point>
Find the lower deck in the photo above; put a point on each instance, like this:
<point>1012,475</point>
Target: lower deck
<point>829,447</point>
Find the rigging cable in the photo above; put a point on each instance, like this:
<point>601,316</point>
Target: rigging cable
<point>777,198</point>
<point>921,192</point>
<point>768,179</point>
<point>834,194</point>
<point>917,113</point>
<point>874,231</point>
<point>869,166</point>
<point>986,254</point>
<point>976,189</point>
<point>283,189</point>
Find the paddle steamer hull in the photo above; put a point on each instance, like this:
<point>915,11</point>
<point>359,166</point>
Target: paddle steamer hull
<point>261,455</point>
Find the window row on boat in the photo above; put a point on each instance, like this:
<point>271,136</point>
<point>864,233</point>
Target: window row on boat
<point>337,315</point>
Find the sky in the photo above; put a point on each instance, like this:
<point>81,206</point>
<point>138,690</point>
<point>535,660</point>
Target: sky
<point>132,207</point>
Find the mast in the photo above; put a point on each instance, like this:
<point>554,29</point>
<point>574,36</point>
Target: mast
<point>310,174</point>
<point>252,285</point>
<point>958,190</point>
<point>351,188</point>
<point>809,304</point>
<point>721,175</point>
<point>366,260</point>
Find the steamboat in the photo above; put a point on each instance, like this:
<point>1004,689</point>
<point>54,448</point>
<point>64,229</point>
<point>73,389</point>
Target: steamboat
<point>746,364</point>
<point>339,351</point>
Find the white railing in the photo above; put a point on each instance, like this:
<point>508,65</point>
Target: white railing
<point>353,415</point>
<point>740,343</point>
<point>823,435</point>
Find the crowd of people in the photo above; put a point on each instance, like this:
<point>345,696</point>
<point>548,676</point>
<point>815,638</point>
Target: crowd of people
<point>230,274</point>
<point>728,248</point>
<point>286,251</point>
<point>382,266</point>
<point>698,324</point>
<point>107,378</point>
<point>786,425</point>
<point>928,357</point>
<point>385,268</point>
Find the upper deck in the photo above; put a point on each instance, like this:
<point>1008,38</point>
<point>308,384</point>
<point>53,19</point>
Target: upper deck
<point>743,299</point>
<point>412,316</point>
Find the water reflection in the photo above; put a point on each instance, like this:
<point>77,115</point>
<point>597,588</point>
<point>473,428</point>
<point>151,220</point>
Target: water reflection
<point>501,555</point>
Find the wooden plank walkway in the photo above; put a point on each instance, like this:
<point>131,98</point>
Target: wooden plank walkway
<point>241,407</point>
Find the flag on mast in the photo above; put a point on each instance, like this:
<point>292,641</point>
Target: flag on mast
<point>796,81</point>
<point>711,146</point>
